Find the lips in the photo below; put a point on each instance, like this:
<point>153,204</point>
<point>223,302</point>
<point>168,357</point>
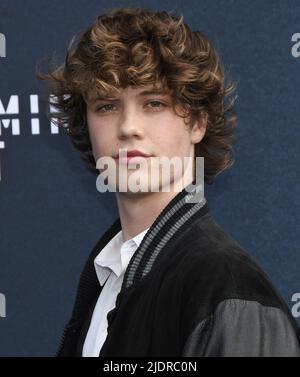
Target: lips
<point>133,153</point>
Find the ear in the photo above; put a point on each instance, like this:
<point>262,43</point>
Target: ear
<point>199,128</point>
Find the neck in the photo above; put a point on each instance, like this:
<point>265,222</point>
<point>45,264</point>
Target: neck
<point>138,211</point>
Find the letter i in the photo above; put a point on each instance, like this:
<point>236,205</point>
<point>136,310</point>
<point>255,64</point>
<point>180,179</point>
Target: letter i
<point>34,108</point>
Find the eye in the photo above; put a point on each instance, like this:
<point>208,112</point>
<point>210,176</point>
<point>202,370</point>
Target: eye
<point>158,105</point>
<point>107,107</point>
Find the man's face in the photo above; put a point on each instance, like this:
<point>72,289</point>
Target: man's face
<point>142,120</point>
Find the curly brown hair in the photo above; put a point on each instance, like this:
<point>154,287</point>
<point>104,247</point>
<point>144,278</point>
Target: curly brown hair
<point>135,46</point>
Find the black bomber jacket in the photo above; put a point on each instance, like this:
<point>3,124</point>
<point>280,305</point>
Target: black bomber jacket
<point>189,290</point>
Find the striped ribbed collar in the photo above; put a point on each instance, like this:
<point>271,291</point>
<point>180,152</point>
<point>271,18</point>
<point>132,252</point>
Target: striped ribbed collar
<point>186,204</point>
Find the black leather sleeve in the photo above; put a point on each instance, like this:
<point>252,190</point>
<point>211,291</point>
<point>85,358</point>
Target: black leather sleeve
<point>243,328</point>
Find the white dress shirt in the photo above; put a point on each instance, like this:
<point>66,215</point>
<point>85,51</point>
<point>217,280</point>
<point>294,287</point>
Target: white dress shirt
<point>110,265</point>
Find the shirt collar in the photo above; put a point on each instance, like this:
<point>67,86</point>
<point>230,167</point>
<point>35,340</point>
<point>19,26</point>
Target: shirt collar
<point>116,255</point>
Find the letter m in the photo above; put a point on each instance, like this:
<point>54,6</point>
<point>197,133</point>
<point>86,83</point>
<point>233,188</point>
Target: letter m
<point>12,108</point>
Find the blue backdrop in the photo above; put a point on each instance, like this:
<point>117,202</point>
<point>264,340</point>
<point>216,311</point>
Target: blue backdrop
<point>51,213</point>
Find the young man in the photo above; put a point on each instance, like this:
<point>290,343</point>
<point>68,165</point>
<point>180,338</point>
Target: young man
<point>164,279</point>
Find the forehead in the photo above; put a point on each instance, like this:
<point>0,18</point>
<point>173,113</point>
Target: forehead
<point>137,91</point>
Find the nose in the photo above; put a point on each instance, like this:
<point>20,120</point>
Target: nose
<point>130,125</point>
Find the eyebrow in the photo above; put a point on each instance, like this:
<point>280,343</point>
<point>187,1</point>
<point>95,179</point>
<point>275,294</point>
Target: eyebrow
<point>151,92</point>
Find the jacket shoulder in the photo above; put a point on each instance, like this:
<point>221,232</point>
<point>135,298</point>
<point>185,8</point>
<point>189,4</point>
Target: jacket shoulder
<point>231,306</point>
<point>218,267</point>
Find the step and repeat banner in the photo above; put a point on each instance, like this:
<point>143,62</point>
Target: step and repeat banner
<point>51,212</point>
